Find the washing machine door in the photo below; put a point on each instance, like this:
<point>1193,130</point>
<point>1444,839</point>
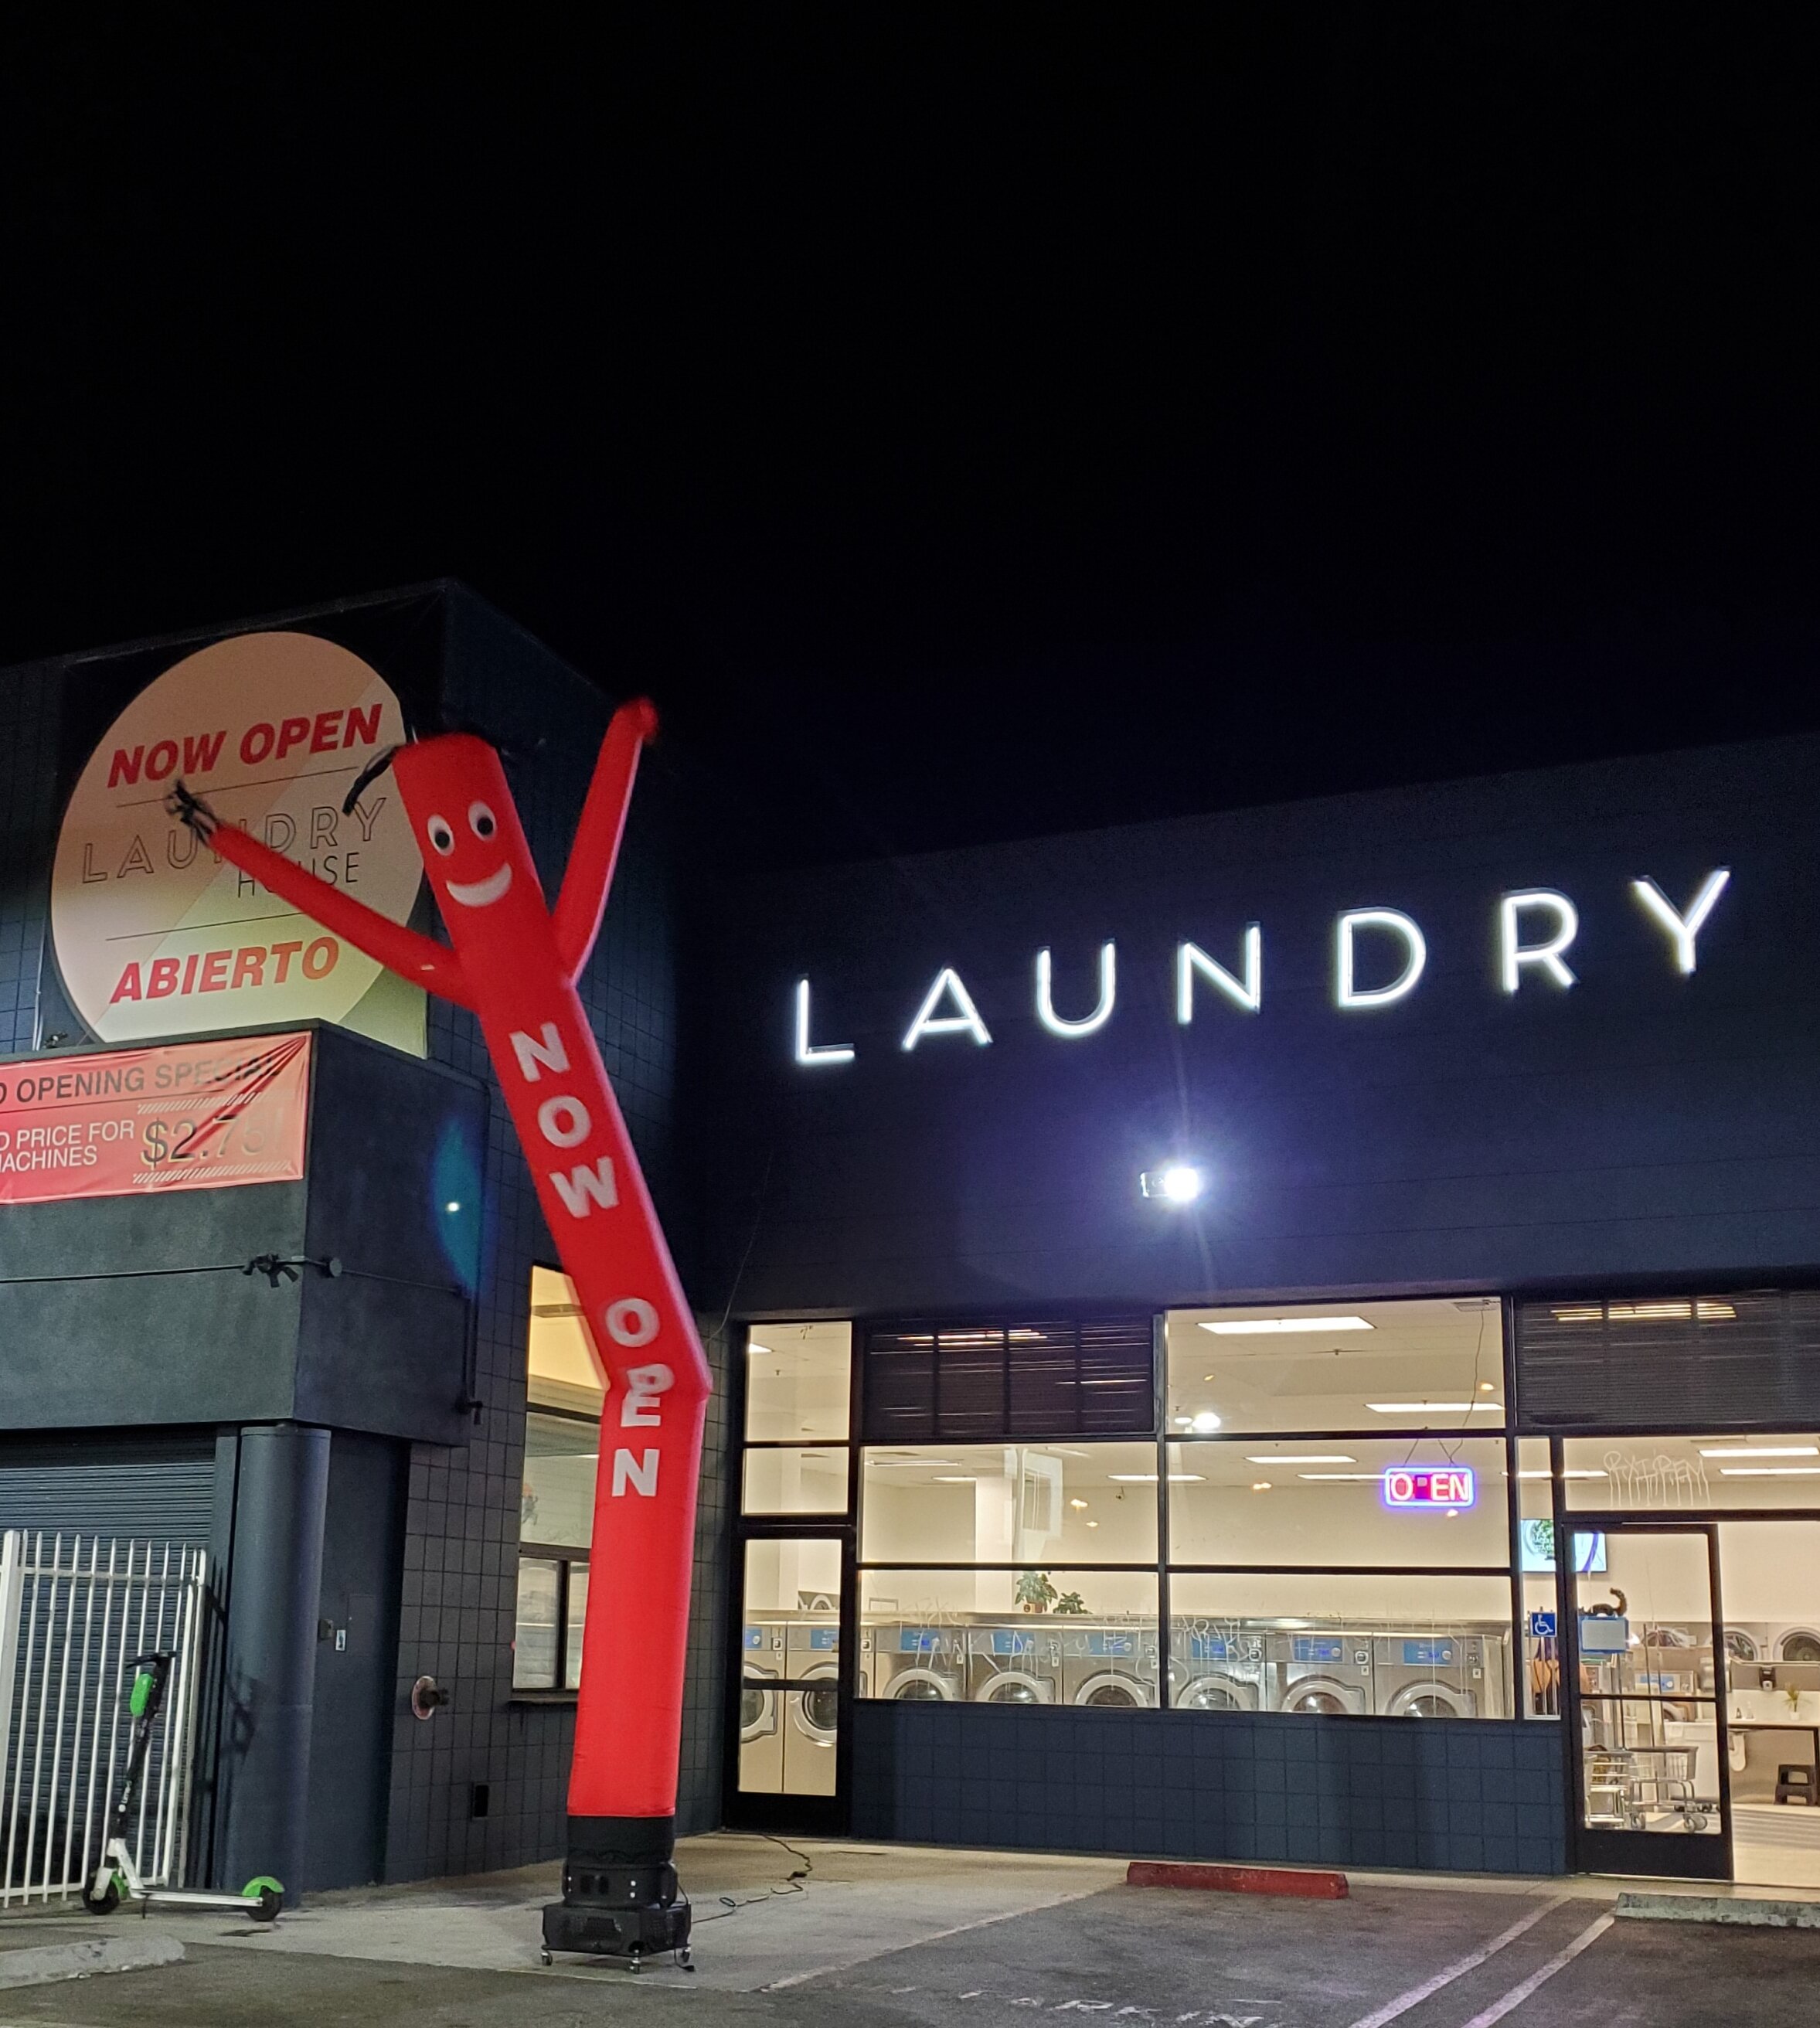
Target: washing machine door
<point>1015,1686</point>
<point>1430,1701</point>
<point>1799,1645</point>
<point>1111,1691</point>
<point>1322,1697</point>
<point>758,1706</point>
<point>818,1708</point>
<point>924,1686</point>
<point>1214,1692</point>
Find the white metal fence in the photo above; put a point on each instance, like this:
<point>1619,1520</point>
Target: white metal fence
<point>75,1610</point>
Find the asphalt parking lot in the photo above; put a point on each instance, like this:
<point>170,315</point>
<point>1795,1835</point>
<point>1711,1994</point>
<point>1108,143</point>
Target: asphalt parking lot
<point>919,1940</point>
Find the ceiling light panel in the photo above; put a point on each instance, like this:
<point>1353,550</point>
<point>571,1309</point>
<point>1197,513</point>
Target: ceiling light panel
<point>1265,1327</point>
<point>1435,1408</point>
<point>1760,1450</point>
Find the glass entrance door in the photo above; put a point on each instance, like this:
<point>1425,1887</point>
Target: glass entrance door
<point>1649,1730</point>
<point>793,1695</point>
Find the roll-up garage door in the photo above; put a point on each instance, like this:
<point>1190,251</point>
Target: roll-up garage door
<point>161,1490</point>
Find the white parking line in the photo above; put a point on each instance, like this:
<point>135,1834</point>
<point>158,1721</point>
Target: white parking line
<point>1459,1968</point>
<point>1518,1994</point>
<point>863,1956</point>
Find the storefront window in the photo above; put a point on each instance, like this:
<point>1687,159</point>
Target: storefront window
<point>574,1619</point>
<point>1770,1579</point>
<point>793,1478</point>
<point>1021,1504</point>
<point>1347,1448</point>
<point>552,1607</point>
<point>972,1383</point>
<point>1433,1365</point>
<point>1036,1635</point>
<point>561,1373</point>
<point>561,1455</point>
<point>1693,1475</point>
<point>1339,1487</point>
<point>794,1576</point>
<point>1426,1500</point>
<point>1348,1644</point>
<point>1542,1651</point>
<point>797,1383</point>
<point>562,1443</point>
<point>535,1643</point>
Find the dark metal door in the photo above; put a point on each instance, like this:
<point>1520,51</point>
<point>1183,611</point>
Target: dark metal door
<point>1646,1702</point>
<point>789,1749</point>
<point>356,1687</point>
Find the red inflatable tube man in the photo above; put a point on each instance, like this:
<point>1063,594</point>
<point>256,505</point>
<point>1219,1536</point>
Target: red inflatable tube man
<point>514,962</point>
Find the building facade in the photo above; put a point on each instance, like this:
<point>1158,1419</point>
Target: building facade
<point>1291,1335</point>
<point>351,1447</point>
<point>1197,1273</point>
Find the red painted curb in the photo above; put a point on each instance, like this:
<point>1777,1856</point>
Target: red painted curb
<point>1311,1885</point>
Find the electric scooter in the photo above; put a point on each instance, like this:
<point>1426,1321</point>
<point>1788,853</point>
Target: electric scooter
<point>116,1877</point>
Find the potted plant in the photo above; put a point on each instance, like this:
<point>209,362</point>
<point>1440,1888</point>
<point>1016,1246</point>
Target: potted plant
<point>1033,1592</point>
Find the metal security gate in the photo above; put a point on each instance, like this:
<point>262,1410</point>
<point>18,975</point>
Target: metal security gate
<point>75,1611</point>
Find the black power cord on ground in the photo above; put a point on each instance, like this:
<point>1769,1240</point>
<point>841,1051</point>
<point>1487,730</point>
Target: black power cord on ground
<point>730,1904</point>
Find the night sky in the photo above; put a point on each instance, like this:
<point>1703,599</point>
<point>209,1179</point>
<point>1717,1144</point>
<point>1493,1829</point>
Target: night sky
<point>966,423</point>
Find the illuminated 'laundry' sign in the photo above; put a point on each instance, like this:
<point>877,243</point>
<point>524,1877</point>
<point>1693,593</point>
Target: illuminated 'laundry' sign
<point>1379,956</point>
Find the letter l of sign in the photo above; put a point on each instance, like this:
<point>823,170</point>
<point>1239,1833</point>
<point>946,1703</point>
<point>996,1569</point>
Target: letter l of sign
<point>814,1053</point>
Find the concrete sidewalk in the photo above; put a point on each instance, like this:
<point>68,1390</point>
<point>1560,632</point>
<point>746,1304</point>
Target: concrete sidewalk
<point>856,1903</point>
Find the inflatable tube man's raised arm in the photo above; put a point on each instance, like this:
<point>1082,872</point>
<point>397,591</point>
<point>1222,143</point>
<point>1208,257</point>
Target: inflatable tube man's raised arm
<point>514,963</point>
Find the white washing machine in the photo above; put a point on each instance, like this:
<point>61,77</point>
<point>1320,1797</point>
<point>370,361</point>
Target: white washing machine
<point>1795,1644</point>
<point>761,1710</point>
<point>1109,1667</point>
<point>919,1664</point>
<point>1212,1671</point>
<point>1014,1665</point>
<point>813,1719</point>
<point>1322,1672</point>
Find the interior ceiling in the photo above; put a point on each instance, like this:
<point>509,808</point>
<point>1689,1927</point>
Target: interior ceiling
<point>1427,1346</point>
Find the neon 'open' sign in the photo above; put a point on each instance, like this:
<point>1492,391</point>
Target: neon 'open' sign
<point>1429,1486</point>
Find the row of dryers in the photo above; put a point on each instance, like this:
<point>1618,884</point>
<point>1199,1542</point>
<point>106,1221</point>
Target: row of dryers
<point>1041,1663</point>
<point>1456,1673</point>
<point>788,1733</point>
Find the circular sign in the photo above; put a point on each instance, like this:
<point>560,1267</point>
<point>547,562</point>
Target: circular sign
<point>154,934</point>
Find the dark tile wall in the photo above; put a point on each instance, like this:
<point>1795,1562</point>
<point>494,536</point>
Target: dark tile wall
<point>1467,1797</point>
<point>27,817</point>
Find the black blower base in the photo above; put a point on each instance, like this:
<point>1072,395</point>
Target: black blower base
<point>620,1897</point>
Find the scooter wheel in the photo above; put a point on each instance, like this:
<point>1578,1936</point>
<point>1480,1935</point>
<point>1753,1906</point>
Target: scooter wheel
<point>264,1898</point>
<point>105,1903</point>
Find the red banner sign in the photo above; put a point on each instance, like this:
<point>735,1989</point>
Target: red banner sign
<point>186,1116</point>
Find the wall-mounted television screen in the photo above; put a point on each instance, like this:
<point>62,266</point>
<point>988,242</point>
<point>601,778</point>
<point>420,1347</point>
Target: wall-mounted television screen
<point>1538,1550</point>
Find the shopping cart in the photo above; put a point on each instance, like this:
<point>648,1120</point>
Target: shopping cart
<point>1635,1788</point>
<point>1610,1781</point>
